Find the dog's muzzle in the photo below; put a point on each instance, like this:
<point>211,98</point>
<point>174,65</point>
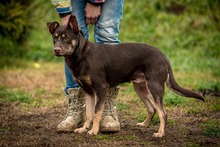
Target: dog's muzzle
<point>57,51</point>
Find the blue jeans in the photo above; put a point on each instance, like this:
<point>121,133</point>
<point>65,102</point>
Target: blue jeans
<point>106,29</point>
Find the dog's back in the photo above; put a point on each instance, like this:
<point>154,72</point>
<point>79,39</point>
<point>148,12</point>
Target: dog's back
<point>121,61</point>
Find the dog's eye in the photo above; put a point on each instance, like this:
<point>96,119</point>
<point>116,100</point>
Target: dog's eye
<point>65,38</point>
<point>55,37</point>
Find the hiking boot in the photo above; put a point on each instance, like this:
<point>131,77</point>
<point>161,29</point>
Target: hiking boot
<point>109,121</point>
<point>75,116</point>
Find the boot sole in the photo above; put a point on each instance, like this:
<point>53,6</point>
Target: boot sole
<point>71,129</point>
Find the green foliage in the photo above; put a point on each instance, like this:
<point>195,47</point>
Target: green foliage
<point>14,19</point>
<point>18,20</point>
<point>14,25</point>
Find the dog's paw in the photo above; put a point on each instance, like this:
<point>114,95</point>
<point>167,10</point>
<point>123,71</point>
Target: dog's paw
<point>92,132</point>
<point>158,135</point>
<point>80,130</point>
<point>140,125</point>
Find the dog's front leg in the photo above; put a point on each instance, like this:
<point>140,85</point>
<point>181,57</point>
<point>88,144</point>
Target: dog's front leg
<point>90,110</point>
<point>101,96</point>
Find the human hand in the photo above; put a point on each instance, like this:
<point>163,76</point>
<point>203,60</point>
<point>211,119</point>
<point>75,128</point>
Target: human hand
<point>92,13</point>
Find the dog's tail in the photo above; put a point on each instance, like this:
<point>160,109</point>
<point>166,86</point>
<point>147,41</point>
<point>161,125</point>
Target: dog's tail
<point>173,85</point>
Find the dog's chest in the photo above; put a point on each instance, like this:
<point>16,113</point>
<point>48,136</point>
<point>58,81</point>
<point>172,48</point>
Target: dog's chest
<point>83,80</point>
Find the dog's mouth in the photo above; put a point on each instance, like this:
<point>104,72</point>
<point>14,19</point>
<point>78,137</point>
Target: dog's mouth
<point>57,54</point>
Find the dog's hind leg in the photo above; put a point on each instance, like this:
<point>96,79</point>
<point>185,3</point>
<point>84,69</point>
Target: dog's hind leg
<point>146,97</point>
<point>157,91</point>
<point>90,110</point>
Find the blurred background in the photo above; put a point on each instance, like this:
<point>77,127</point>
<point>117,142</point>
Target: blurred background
<point>187,31</point>
<point>181,29</point>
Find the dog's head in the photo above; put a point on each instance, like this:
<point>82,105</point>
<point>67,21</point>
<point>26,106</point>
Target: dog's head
<point>65,38</point>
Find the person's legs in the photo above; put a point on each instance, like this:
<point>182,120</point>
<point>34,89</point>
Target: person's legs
<point>107,27</point>
<point>106,32</point>
<point>76,97</point>
<point>70,83</point>
<point>78,7</point>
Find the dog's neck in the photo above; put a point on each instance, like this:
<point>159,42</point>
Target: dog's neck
<point>82,50</point>
<point>81,42</point>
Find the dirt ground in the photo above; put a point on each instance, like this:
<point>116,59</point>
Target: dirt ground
<point>37,126</point>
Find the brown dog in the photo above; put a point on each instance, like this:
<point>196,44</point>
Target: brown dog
<point>97,67</point>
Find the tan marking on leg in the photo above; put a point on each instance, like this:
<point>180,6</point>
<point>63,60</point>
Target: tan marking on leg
<point>162,116</point>
<point>160,112</point>
<point>146,99</point>
<point>90,110</point>
<point>96,121</point>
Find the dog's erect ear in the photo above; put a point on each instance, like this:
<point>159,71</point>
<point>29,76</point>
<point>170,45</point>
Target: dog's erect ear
<point>73,24</point>
<point>52,26</point>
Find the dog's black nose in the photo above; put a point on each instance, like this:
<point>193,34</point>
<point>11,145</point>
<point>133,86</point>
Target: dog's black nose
<point>57,49</point>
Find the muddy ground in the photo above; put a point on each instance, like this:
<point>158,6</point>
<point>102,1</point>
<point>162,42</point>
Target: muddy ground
<point>38,128</point>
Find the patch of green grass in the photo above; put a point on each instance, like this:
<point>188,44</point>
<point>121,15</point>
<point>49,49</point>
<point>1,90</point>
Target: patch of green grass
<point>140,117</point>
<point>216,106</point>
<point>13,95</point>
<point>5,133</point>
<point>101,137</point>
<point>26,99</point>
<point>137,100</point>
<point>41,91</point>
<point>125,137</point>
<point>128,89</point>
<point>171,122</point>
<point>130,137</point>
<point>155,120</point>
<point>209,84</point>
<point>199,108</point>
<point>171,99</point>
<point>191,144</point>
<point>12,63</point>
<point>6,129</point>
<point>211,128</point>
<point>122,106</point>
<point>214,131</point>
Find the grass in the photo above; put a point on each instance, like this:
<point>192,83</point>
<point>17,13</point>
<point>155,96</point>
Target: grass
<point>14,95</point>
<point>32,85</point>
<point>211,128</point>
<point>122,106</point>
